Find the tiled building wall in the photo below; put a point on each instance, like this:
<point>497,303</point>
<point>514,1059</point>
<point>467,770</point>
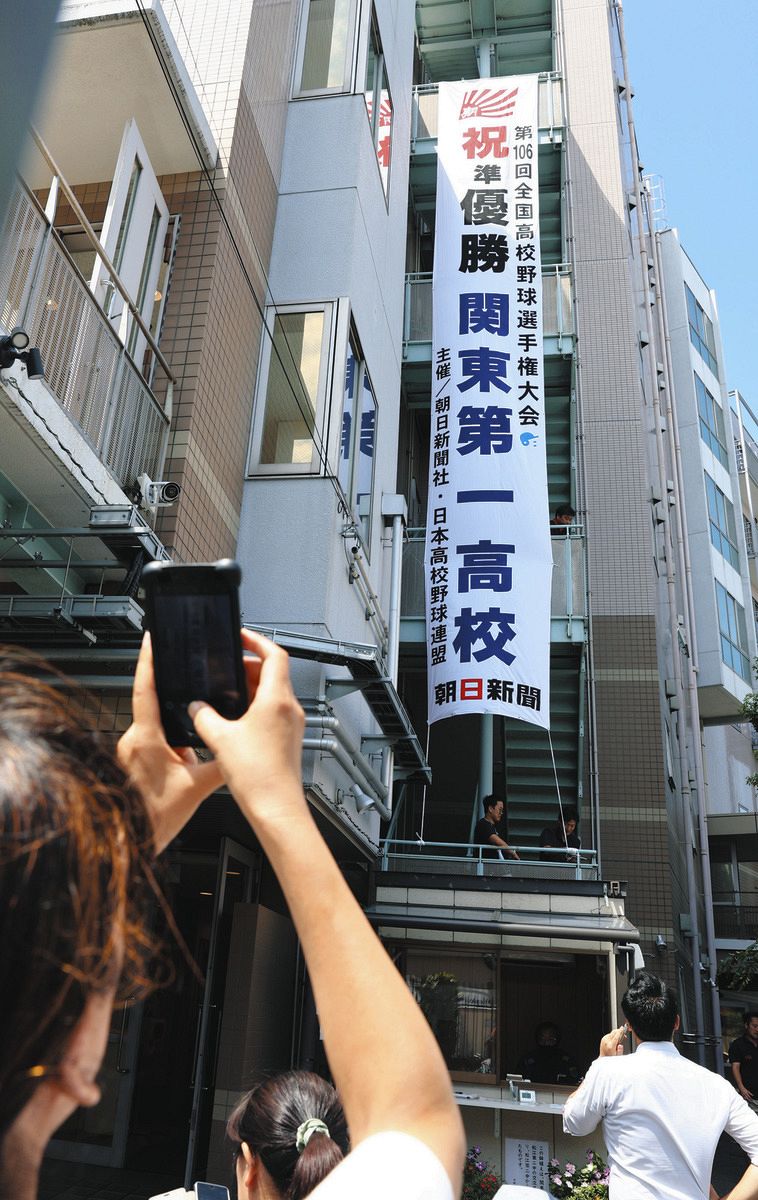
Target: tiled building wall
<point>632,785</point>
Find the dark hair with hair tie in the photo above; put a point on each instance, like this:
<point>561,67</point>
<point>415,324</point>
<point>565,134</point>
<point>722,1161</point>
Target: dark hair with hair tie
<point>269,1119</point>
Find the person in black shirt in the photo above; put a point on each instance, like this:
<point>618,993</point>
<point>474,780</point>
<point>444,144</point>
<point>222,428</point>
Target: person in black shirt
<point>485,831</point>
<point>743,1055</point>
<point>546,1062</point>
<point>563,833</point>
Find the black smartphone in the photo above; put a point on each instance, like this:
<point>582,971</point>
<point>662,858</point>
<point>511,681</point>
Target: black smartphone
<point>192,613</point>
<point>211,1191</point>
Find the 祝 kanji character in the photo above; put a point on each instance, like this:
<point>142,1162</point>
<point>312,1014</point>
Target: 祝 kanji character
<point>528,416</point>
<point>485,430</point>
<point>482,367</point>
<point>487,173</point>
<point>528,365</point>
<point>525,253</point>
<point>484,312</point>
<point>485,566</point>
<point>486,207</point>
<point>484,252</point>
<point>493,628</point>
<point>528,697</point>
<point>489,140</point>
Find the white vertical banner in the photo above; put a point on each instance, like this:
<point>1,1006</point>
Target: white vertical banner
<point>488,550</point>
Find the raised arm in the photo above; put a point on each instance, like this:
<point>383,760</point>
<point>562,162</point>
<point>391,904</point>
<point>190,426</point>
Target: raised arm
<point>385,1061</point>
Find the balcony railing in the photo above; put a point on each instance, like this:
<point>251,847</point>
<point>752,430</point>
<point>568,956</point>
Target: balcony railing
<point>557,307</point>
<point>737,920</point>
<point>568,599</point>
<point>461,858</point>
<point>86,366</point>
<point>425,98</point>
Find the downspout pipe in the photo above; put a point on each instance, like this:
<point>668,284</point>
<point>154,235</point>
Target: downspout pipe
<point>394,509</point>
<point>670,580</point>
<point>330,746</point>
<point>332,727</point>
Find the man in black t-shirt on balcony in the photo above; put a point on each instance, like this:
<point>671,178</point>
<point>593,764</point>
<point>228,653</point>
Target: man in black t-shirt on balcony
<point>485,831</point>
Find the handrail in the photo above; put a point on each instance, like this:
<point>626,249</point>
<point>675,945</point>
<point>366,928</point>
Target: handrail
<point>581,861</point>
<point>96,244</point>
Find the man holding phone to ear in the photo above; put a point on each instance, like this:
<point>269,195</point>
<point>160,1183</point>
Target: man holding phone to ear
<point>662,1115</point>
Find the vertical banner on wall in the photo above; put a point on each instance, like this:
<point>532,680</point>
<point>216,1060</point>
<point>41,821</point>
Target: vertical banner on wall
<point>488,555</point>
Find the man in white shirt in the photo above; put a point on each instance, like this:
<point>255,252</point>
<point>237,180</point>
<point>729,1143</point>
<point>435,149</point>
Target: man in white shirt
<point>662,1115</point>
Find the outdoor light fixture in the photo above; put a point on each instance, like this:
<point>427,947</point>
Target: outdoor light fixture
<point>362,802</point>
<point>15,346</point>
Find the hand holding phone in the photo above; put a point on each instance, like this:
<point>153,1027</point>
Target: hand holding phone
<point>192,613</point>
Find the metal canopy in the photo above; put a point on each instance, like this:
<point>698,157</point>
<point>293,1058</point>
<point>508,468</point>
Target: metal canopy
<point>505,922</point>
<point>368,675</point>
<point>519,31</point>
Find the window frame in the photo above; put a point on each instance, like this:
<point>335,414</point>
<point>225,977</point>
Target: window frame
<point>712,433</point>
<point>348,83</point>
<point>320,437</point>
<point>381,76</point>
<point>701,331</point>
<point>735,630</point>
<point>349,486</point>
<point>721,521</point>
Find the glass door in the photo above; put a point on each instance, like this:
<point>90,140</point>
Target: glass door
<point>98,1135</point>
<point>234,885</point>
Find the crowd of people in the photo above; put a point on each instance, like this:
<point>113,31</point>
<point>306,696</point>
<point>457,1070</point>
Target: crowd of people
<point>82,827</point>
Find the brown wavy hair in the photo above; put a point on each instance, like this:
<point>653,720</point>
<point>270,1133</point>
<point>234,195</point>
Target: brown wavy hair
<point>268,1119</point>
<point>76,877</point>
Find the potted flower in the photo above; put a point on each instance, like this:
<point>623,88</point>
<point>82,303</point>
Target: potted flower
<point>589,1182</point>
<point>479,1179</point>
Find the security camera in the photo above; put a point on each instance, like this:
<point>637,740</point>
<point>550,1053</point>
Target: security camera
<point>158,494</point>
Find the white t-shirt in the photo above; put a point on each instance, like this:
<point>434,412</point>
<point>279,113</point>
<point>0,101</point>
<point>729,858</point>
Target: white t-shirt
<point>662,1117</point>
<point>387,1165</point>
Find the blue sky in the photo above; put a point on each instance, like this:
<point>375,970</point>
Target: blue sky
<point>693,66</point>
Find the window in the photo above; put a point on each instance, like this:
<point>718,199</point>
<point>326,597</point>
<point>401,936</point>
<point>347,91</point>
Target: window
<point>358,440</point>
<point>325,49</point>
<point>701,332</point>
<point>711,422</point>
<point>293,380</point>
<point>733,632</point>
<point>721,518</point>
<point>379,114</point>
<point>457,995</point>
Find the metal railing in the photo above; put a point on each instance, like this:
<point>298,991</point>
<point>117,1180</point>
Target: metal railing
<point>568,598</point>
<point>557,305</point>
<point>464,858</point>
<point>425,106</point>
<point>86,365</point>
<point>736,920</point>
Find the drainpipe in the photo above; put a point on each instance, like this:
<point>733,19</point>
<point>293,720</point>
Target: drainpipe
<point>685,568</point>
<point>484,52</point>
<point>394,510</point>
<point>330,726</point>
<point>330,746</point>
<point>692,894</point>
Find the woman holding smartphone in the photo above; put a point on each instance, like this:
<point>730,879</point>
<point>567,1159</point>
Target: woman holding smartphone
<point>405,1128</point>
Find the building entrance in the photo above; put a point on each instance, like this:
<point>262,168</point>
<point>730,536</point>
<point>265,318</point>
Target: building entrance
<point>158,1076</point>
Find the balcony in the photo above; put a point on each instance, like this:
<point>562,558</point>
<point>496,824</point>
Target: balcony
<point>88,373</point>
<point>737,921</point>
<point>557,314</point>
<point>454,858</point>
<point>425,105</point>
<point>568,601</point>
